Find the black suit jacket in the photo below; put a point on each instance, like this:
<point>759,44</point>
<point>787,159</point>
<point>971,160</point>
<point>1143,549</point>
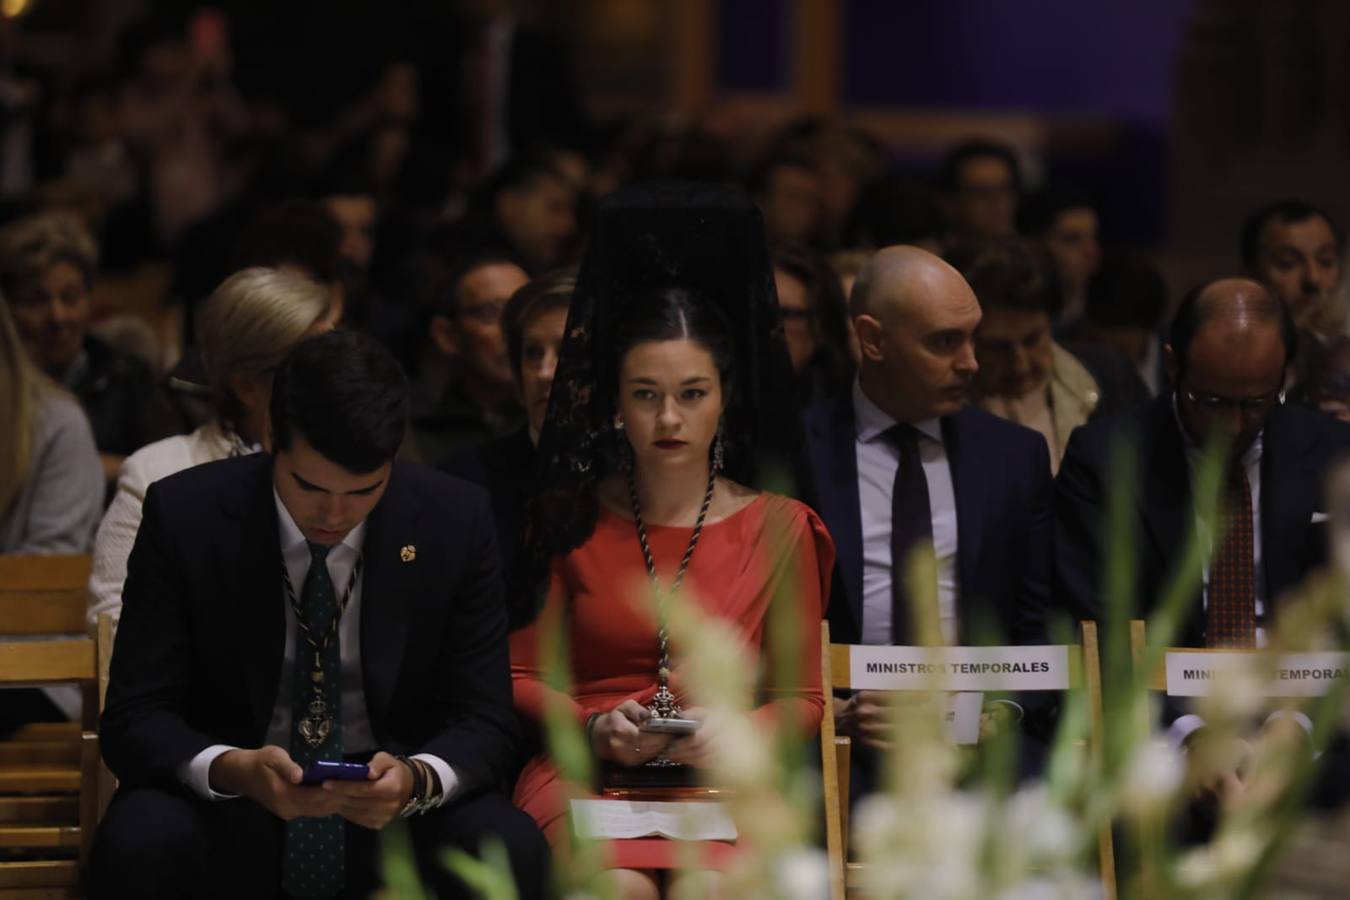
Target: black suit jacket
<point>199,649</point>
<point>505,467</point>
<point>1001,477</point>
<point>1297,446</point>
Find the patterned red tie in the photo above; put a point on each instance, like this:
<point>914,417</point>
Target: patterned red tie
<point>1230,619</point>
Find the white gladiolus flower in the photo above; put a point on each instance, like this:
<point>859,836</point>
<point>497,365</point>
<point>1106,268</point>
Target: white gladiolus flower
<point>1067,886</point>
<point>1041,827</point>
<point>1152,778</point>
<point>802,874</point>
<point>1230,856</point>
<point>1239,690</point>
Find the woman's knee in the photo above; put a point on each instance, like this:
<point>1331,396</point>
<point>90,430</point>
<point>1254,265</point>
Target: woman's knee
<point>634,884</point>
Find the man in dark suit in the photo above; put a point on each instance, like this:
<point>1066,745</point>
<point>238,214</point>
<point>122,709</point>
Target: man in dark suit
<point>318,603</point>
<point>1229,354</point>
<point>902,463</point>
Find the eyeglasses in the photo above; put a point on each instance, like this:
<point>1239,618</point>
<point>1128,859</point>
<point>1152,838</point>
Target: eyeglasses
<point>1213,404</point>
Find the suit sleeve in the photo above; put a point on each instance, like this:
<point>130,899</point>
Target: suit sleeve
<point>145,736</point>
<point>1079,504</point>
<point>1034,595</point>
<point>481,736</point>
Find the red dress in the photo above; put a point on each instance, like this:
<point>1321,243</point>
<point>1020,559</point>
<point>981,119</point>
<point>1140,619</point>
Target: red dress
<point>740,565</point>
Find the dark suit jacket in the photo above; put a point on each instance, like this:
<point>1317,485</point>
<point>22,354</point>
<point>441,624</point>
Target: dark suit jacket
<point>1001,476</point>
<point>1297,445</point>
<point>200,646</point>
<point>505,467</point>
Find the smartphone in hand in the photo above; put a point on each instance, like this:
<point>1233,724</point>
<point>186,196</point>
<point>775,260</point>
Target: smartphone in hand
<point>677,727</point>
<point>324,770</point>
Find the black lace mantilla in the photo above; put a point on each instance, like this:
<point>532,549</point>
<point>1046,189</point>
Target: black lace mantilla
<point>710,240</point>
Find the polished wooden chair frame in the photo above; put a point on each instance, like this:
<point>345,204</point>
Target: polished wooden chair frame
<point>49,773</point>
<point>836,750</point>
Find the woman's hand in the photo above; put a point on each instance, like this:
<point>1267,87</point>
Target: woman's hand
<point>700,748</point>
<point>616,736</point>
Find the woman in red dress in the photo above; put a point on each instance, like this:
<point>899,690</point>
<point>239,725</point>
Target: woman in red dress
<point>678,401</point>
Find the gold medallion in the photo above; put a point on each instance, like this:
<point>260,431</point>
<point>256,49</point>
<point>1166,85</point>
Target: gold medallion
<point>317,723</point>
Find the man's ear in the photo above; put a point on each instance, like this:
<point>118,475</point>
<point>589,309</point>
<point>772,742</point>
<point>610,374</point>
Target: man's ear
<point>1171,365</point>
<point>444,336</point>
<point>868,329</point>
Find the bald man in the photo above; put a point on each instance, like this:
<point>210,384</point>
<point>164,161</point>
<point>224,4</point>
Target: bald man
<point>1228,358</point>
<point>901,460</point>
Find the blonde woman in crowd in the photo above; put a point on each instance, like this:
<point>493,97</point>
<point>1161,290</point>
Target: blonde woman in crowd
<point>51,485</point>
<point>245,329</point>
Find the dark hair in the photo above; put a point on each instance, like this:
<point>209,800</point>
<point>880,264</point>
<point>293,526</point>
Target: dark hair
<point>822,286</point>
<point>1126,292</point>
<point>519,172</point>
<point>894,208</point>
<point>1191,314</point>
<point>949,174</point>
<point>346,394</point>
<point>298,232</point>
<point>445,298</point>
<point>1287,212</point>
<point>671,313</point>
<point>1036,214</point>
<point>546,293</point>
<point>1009,273</point>
<point>782,158</point>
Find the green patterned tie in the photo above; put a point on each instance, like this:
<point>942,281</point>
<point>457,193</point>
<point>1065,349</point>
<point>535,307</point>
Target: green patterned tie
<point>314,866</point>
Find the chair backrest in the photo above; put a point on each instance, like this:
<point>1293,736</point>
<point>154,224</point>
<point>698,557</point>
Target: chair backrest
<point>1057,667</point>
<point>49,775</point>
<point>1191,671</point>
<point>43,594</point>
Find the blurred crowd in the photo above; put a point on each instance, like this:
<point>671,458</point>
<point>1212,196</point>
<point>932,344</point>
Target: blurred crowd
<point>445,184</point>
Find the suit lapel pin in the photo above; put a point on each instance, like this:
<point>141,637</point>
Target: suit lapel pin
<point>408,553</point>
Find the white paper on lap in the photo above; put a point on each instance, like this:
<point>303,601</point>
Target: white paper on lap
<point>687,821</point>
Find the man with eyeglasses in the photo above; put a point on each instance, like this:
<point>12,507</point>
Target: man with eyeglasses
<point>1228,358</point>
<point>464,393</point>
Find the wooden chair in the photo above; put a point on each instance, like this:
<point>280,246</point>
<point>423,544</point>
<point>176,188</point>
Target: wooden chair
<point>835,751</point>
<point>49,773</point>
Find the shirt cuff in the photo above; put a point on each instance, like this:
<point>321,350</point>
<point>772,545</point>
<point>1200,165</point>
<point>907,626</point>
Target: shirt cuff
<point>196,772</point>
<point>1016,707</point>
<point>449,781</point>
<point>1182,728</point>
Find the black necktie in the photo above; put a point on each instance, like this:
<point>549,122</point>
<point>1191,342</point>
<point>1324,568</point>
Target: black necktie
<point>911,527</point>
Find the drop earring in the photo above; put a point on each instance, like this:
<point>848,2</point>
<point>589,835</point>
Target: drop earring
<point>623,447</point>
<point>719,459</point>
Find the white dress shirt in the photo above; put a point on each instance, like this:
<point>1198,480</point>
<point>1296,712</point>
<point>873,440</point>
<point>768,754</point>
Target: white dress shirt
<point>878,459</point>
<point>357,736</point>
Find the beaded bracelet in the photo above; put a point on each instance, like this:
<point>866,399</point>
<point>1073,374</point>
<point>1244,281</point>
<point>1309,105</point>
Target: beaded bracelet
<point>420,800</point>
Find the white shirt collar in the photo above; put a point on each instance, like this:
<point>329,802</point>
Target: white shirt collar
<point>292,538</point>
<point>871,421</point>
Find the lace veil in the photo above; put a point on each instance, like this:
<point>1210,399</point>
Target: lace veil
<point>710,240</point>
